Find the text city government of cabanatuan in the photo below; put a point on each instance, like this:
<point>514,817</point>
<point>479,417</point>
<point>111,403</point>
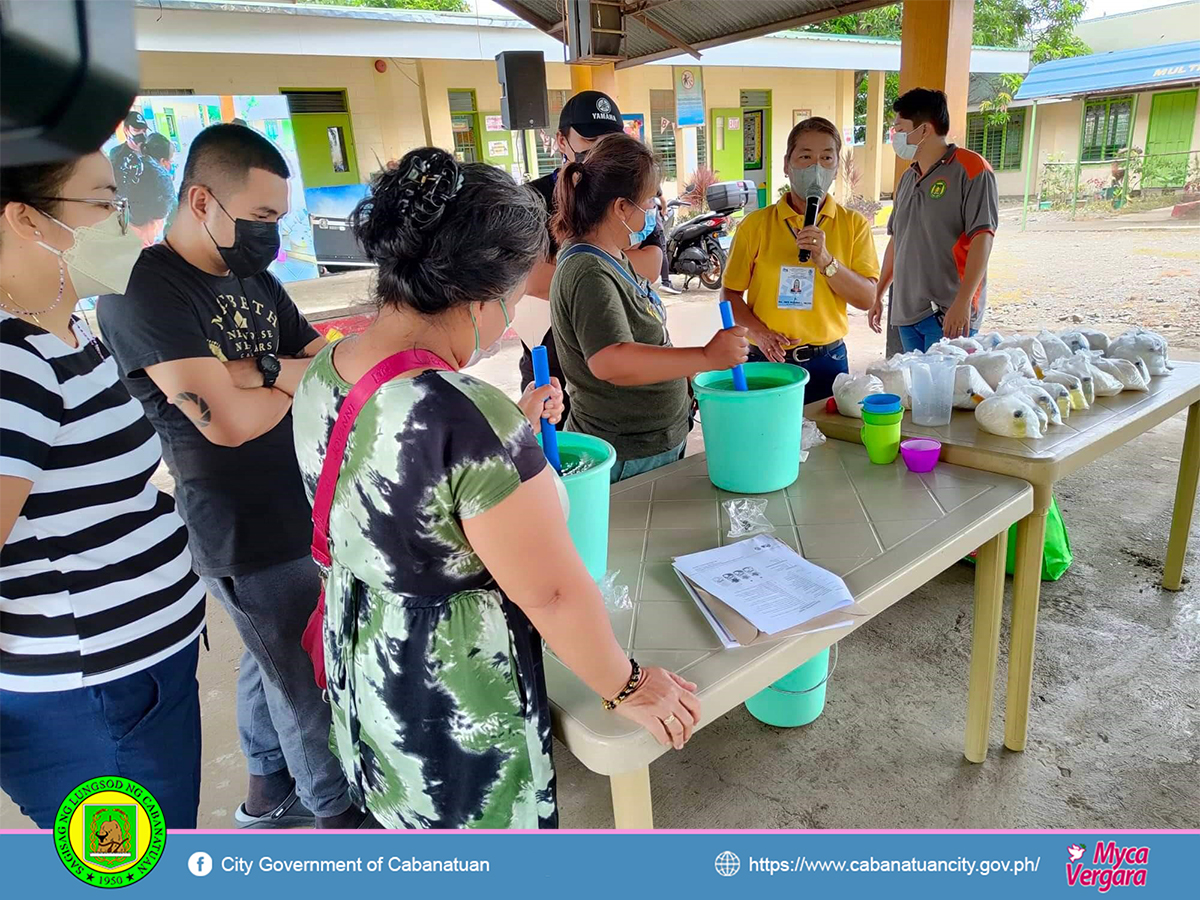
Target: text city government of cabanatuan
<point>379,864</point>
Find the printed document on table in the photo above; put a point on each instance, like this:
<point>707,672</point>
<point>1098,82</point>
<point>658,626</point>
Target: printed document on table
<point>767,582</point>
<point>727,640</point>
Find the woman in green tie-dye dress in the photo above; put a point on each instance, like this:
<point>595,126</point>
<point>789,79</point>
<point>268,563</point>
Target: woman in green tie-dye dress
<point>435,676</point>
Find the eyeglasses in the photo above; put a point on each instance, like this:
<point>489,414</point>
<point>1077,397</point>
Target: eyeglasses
<point>119,205</point>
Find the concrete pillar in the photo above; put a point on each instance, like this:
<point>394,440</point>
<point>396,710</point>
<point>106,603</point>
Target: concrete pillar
<point>844,119</point>
<point>435,105</point>
<point>935,52</point>
<point>581,79</point>
<point>687,158</point>
<point>873,157</point>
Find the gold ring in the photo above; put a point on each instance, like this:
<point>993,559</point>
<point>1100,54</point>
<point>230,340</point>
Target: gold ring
<point>669,719</point>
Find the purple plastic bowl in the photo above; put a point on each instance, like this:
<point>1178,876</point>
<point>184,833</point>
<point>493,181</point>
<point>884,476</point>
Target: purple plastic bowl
<point>920,454</point>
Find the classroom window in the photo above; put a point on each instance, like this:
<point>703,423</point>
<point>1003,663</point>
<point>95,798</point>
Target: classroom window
<point>1000,145</point>
<point>1106,126</point>
<point>662,130</point>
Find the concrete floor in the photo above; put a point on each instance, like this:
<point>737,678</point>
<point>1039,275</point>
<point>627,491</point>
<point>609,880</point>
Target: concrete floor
<point>1116,711</point>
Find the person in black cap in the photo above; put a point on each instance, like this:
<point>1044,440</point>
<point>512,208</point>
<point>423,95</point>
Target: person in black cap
<point>584,120</point>
<point>126,158</point>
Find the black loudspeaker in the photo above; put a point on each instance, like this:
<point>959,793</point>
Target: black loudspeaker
<point>523,101</point>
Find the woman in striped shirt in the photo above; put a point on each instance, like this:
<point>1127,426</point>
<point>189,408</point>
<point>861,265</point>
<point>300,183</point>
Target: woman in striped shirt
<point>100,612</point>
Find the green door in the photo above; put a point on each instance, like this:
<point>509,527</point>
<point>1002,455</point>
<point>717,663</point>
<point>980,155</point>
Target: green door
<point>325,145</point>
<point>726,153</point>
<point>1172,119</point>
<point>497,146</point>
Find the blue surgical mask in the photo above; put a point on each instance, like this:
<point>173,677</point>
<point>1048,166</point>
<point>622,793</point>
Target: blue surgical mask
<point>636,237</point>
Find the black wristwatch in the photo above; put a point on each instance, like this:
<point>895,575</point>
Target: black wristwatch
<point>269,365</point>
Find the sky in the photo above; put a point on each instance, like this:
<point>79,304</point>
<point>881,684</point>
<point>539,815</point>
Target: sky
<point>1094,7</point>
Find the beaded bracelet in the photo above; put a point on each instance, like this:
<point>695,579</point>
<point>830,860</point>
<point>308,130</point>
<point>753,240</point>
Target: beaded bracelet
<point>635,680</point>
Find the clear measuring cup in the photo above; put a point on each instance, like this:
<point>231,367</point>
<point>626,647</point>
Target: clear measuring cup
<point>933,389</point>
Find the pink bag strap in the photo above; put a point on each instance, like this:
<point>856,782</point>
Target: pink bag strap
<point>335,452</point>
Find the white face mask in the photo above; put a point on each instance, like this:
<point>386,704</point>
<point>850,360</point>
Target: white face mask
<point>101,259</point>
<point>479,355</point>
<point>901,145</point>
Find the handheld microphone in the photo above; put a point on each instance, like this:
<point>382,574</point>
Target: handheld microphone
<point>812,203</point>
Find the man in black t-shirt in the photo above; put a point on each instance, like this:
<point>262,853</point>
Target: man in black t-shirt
<point>210,343</point>
<point>584,119</point>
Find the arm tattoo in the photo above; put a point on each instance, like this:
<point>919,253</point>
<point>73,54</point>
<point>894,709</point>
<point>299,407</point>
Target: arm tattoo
<point>203,416</point>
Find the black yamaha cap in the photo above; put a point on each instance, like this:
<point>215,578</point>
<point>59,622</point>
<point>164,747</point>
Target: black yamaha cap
<point>135,120</point>
<point>592,114</point>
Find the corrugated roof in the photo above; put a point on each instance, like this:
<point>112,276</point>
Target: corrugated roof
<point>698,23</point>
<point>1148,67</point>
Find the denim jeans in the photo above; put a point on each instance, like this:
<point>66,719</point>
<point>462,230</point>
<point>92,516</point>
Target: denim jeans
<point>144,726</point>
<point>283,721</point>
<point>627,468</point>
<point>923,334</point>
<point>821,371</point>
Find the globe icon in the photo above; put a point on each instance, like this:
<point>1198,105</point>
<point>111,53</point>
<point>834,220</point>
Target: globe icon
<point>727,863</point>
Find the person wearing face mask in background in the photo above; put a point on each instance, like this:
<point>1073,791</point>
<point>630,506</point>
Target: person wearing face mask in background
<point>210,343</point>
<point>584,120</point>
<point>100,611</point>
<point>942,225</point>
<point>154,198</point>
<point>435,613</point>
<point>630,385</point>
<point>126,158</point>
<point>796,311</point>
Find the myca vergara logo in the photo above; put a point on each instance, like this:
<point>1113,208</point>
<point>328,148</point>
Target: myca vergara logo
<point>109,832</point>
<point>1110,866</point>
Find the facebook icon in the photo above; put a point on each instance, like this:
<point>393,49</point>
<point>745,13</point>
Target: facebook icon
<point>200,864</point>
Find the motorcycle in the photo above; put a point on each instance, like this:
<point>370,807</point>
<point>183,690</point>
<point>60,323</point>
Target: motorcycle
<point>694,248</point>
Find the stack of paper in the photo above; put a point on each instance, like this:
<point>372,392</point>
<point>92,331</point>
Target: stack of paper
<point>761,588</point>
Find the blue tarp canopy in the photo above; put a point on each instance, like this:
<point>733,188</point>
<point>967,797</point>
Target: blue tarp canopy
<point>1143,67</point>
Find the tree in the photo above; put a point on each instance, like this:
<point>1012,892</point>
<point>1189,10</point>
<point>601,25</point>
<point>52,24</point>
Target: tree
<point>434,5</point>
<point>1047,27</point>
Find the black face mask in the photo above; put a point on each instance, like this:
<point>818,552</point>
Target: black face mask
<point>139,139</point>
<point>255,245</point>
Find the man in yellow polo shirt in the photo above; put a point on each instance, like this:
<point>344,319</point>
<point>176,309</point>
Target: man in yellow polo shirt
<point>796,311</point>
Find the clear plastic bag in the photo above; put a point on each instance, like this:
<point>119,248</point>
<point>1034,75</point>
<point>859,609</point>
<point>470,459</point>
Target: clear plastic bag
<point>1097,340</point>
<point>1041,398</point>
<point>970,389</point>
<point>615,593</point>
<point>1032,346</point>
<point>811,436</point>
<point>1103,384</point>
<point>849,390</point>
<point>1055,347</point>
<point>747,516</point>
<point>1139,343</point>
<point>990,340</point>
<point>1021,362</point>
<point>993,365</point>
<point>896,379</point>
<point>1075,340</point>
<point>1133,374</point>
<point>1072,383</point>
<point>970,344</point>
<point>949,348</point>
<point>1061,394</point>
<point>1010,415</point>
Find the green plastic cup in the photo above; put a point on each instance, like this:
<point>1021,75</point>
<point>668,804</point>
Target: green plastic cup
<point>752,437</point>
<point>882,442</point>
<point>871,418</point>
<point>795,699</point>
<point>586,462</point>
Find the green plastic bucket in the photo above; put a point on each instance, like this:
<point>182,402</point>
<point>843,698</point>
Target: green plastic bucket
<point>586,462</point>
<point>798,697</point>
<point>752,437</point>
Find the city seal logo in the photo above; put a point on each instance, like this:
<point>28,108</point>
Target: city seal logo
<point>110,832</point>
<point>938,189</point>
<point>603,105</point>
